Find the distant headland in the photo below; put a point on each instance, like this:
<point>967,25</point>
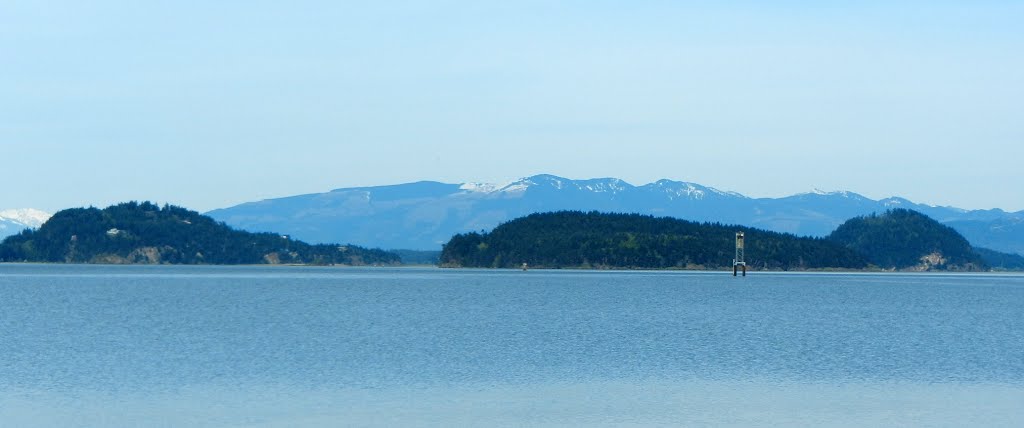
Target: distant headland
<point>144,233</point>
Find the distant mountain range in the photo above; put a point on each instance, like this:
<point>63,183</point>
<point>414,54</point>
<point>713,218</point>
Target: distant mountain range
<point>15,220</point>
<point>424,215</point>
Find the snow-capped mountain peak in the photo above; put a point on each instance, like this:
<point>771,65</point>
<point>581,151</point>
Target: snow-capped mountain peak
<point>894,202</point>
<point>545,179</point>
<point>479,187</point>
<point>817,191</point>
<point>611,186</point>
<point>28,217</point>
<point>680,189</point>
<point>683,189</point>
<point>522,184</point>
<point>603,185</point>
<point>840,193</point>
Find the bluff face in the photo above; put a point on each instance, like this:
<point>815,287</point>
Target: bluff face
<point>145,233</point>
<point>425,215</point>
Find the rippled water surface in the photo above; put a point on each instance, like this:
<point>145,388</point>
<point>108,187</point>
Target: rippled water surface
<point>296,346</point>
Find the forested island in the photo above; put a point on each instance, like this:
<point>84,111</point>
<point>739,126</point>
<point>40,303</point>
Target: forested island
<point>895,240</point>
<point>573,239</point>
<point>146,233</point>
<point>135,232</point>
<point>906,239</point>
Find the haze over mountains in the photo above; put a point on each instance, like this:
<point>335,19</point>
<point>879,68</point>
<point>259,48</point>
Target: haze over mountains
<point>424,215</point>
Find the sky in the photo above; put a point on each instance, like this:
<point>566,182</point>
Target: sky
<point>208,104</point>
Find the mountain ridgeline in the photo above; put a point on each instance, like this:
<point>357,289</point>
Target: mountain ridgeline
<point>573,239</point>
<point>425,215</point>
<point>146,233</point>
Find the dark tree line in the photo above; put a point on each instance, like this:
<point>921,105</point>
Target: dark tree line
<point>571,239</point>
<point>135,232</point>
<point>1000,261</point>
<point>899,239</point>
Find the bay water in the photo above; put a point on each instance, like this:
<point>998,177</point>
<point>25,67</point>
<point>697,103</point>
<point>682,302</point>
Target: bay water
<point>85,345</point>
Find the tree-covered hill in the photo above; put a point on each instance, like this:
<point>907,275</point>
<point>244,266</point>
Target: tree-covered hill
<point>146,233</point>
<point>1000,261</point>
<point>906,239</point>
<point>571,239</point>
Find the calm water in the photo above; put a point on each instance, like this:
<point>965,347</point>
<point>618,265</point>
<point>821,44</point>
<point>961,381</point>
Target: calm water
<point>283,346</point>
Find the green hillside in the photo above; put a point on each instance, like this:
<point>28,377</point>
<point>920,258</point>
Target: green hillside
<point>905,239</point>
<point>146,233</point>
<point>999,260</point>
<point>572,239</point>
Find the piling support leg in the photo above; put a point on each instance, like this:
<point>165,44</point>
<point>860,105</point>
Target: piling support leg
<point>734,267</point>
<point>744,270</point>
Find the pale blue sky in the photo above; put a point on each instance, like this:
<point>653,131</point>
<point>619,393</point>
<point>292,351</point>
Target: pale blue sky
<point>207,104</point>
